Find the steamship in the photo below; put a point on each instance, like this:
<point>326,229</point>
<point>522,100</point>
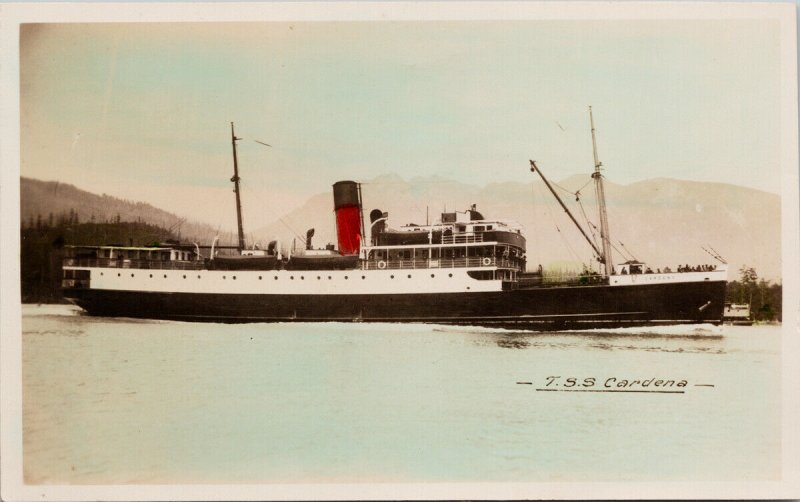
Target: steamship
<point>463,269</point>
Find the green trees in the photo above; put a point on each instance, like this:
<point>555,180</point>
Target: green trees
<point>764,297</point>
<point>42,252</point>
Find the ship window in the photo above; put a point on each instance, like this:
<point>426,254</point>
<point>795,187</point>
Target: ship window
<point>489,227</point>
<point>259,277</point>
<point>301,278</point>
<point>318,277</point>
<point>199,277</point>
<point>391,277</point>
<point>184,277</point>
<point>234,277</point>
<point>329,278</point>
<point>478,229</point>
<point>165,276</point>
<point>363,277</point>
<point>151,275</point>
<point>101,273</point>
<point>449,275</point>
<point>291,277</point>
<point>224,277</point>
<point>433,275</point>
<point>276,277</point>
<point>345,277</point>
<point>409,276</point>
<point>118,274</point>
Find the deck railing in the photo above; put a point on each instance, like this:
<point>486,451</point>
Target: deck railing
<point>462,238</point>
<point>473,261</point>
<point>138,264</point>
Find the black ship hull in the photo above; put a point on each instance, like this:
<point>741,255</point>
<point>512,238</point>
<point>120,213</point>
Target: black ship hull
<point>540,308</point>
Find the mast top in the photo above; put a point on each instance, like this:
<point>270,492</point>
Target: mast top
<point>597,163</point>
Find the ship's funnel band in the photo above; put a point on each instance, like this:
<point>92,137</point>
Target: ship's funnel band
<point>345,193</point>
<point>347,204</point>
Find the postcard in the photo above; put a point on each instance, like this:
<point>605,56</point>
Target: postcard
<point>396,250</point>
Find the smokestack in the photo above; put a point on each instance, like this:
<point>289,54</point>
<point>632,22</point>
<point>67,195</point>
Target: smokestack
<point>347,205</point>
<point>309,235</point>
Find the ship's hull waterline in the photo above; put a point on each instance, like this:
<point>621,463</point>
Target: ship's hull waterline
<point>540,308</point>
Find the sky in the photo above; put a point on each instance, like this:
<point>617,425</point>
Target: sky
<point>143,111</point>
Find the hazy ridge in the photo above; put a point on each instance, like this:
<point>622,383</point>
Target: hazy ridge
<point>44,198</point>
<point>661,221</point>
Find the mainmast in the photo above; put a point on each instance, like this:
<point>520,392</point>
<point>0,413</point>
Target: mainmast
<point>235,181</point>
<point>601,204</point>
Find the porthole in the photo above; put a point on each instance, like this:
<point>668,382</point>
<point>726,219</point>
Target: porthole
<point>224,277</point>
<point>151,276</point>
<point>409,276</point>
<point>276,277</point>
<point>363,277</point>
<point>291,277</point>
<point>318,277</point>
<point>198,276</point>
<point>302,278</point>
<point>165,276</point>
<point>184,277</point>
<point>101,273</point>
<point>118,274</point>
<point>449,275</point>
<point>345,277</point>
<point>391,277</point>
<point>259,277</point>
<point>433,275</point>
<point>131,275</point>
<point>234,277</point>
<point>329,278</point>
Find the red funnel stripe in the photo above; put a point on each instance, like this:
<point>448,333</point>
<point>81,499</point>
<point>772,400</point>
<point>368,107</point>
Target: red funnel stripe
<point>348,227</point>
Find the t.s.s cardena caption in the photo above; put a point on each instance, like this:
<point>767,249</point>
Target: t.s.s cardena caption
<point>658,385</point>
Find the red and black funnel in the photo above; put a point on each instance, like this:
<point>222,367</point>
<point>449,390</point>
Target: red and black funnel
<point>347,205</point>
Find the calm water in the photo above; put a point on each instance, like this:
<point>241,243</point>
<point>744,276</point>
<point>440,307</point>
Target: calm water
<point>126,401</point>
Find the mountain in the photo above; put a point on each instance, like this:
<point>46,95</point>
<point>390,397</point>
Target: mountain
<point>664,222</point>
<point>53,200</point>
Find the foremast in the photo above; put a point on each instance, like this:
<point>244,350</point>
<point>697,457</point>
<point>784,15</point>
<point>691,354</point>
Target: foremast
<point>235,181</point>
<point>608,267</point>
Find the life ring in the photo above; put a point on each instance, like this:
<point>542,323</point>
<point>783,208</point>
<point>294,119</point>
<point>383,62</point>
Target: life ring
<point>487,261</point>
<point>381,264</point>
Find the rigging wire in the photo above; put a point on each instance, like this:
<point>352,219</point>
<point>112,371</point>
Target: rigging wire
<point>625,254</point>
<point>561,234</point>
<point>586,218</point>
<point>251,194</point>
<point>626,249</point>
<point>569,191</point>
